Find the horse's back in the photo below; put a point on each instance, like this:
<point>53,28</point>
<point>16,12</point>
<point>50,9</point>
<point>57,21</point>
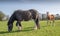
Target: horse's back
<point>25,14</point>
<point>22,15</point>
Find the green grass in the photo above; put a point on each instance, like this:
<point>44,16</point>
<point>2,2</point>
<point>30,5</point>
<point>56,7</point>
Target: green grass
<point>27,29</point>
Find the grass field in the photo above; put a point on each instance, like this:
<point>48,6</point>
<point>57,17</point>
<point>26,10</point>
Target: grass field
<point>28,29</point>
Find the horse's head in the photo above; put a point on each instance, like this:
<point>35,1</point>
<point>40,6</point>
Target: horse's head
<point>47,12</point>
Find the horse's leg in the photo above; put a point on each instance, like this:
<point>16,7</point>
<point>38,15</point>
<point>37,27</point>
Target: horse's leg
<point>48,18</point>
<point>18,24</point>
<point>53,23</point>
<point>48,21</point>
<point>37,26</point>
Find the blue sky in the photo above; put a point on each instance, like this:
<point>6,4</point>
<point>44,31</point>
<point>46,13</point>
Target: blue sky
<point>42,6</point>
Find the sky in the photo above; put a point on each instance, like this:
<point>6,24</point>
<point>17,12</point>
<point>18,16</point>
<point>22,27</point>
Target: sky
<point>9,6</point>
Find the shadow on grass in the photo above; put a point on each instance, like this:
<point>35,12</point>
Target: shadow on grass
<point>26,30</point>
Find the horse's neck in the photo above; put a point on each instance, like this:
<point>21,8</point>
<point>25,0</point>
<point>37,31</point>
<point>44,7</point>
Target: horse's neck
<point>48,14</point>
<point>11,20</point>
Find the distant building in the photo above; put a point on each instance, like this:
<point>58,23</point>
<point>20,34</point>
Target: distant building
<point>5,18</point>
<point>57,16</point>
<point>40,16</point>
<point>44,16</point>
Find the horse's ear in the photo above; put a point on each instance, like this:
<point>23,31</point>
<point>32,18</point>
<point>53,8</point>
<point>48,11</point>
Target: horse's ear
<point>47,12</point>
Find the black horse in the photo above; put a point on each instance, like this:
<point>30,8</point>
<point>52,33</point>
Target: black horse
<point>20,15</point>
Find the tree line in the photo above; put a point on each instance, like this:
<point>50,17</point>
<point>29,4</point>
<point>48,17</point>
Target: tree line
<point>3,16</point>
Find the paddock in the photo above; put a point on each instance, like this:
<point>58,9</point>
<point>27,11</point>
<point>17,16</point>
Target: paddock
<point>28,29</point>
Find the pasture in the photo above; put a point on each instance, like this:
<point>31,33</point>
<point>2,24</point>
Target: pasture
<point>27,29</point>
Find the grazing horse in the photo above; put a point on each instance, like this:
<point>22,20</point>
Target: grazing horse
<point>50,18</point>
<point>20,15</point>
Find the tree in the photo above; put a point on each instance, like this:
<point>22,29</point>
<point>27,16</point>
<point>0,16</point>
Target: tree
<point>1,15</point>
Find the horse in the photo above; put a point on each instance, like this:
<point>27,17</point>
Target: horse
<point>50,18</point>
<point>23,15</point>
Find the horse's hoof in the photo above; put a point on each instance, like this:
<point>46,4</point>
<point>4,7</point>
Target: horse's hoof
<point>19,30</point>
<point>9,30</point>
<point>35,28</point>
<point>39,28</point>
